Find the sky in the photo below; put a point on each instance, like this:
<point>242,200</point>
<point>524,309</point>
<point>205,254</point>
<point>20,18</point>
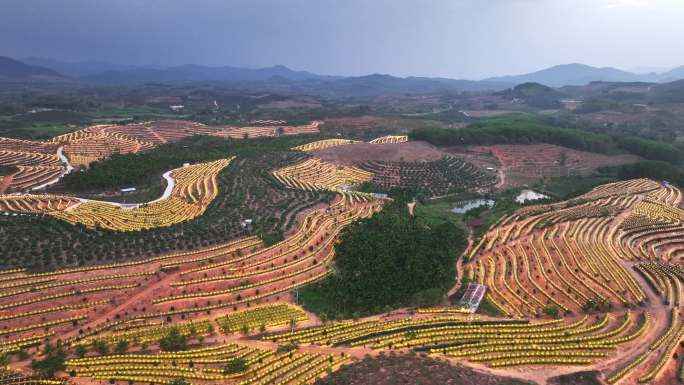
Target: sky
<point>469,39</point>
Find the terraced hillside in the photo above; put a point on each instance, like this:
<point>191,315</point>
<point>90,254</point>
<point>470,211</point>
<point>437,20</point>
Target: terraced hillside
<point>591,284</point>
<point>610,250</point>
<point>41,163</point>
<point>435,178</point>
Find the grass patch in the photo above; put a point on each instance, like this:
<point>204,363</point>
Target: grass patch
<point>571,186</point>
<point>435,214</point>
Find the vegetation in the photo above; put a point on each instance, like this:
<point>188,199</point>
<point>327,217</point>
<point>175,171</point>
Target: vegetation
<point>528,129</point>
<point>657,170</point>
<point>386,261</point>
<point>579,378</point>
<point>571,186</point>
<point>515,130</point>
<point>7,170</point>
<point>52,363</point>
<point>174,341</point>
<point>236,365</point>
<point>535,95</point>
<point>651,149</point>
<point>134,169</point>
<point>246,189</point>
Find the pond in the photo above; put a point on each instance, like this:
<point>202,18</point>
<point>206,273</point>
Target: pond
<point>529,195</point>
<point>465,206</point>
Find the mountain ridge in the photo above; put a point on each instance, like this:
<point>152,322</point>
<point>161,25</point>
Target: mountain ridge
<point>576,74</point>
<point>282,77</point>
<point>12,69</point>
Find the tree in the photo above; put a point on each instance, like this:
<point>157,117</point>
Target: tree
<point>121,346</point>
<point>244,329</point>
<point>52,363</point>
<point>173,341</point>
<point>179,381</point>
<point>286,348</point>
<point>101,347</point>
<point>551,310</point>
<point>236,365</point>
<point>80,351</point>
<point>389,260</point>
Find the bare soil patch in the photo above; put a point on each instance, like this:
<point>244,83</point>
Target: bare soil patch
<point>526,163</point>
<point>357,153</point>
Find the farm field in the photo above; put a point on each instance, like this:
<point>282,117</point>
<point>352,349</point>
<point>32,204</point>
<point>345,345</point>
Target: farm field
<point>524,164</point>
<point>240,284</point>
<point>40,163</point>
<point>341,193</point>
<point>393,161</point>
<point>591,284</point>
<point>612,250</point>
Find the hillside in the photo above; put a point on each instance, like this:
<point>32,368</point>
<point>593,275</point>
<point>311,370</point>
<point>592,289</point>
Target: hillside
<point>15,70</point>
<point>535,95</point>
<point>193,72</point>
<point>574,74</point>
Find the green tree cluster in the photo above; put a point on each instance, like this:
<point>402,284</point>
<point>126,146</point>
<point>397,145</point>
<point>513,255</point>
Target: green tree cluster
<point>651,149</point>
<point>389,260</point>
<point>516,130</point>
<point>173,341</point>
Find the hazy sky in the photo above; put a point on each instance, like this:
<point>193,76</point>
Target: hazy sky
<point>451,38</point>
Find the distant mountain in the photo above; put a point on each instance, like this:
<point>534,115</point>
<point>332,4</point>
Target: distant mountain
<point>282,79</point>
<point>575,74</point>
<point>79,68</point>
<point>378,84</point>
<point>192,72</point>
<point>673,74</point>
<point>11,69</point>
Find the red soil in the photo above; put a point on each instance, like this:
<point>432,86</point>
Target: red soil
<point>526,163</point>
<point>357,153</point>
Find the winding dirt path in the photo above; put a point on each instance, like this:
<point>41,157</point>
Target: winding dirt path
<point>459,265</point>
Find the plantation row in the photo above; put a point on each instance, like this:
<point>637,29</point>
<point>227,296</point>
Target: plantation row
<point>497,343</point>
<point>435,178</point>
<point>569,257</point>
<point>565,268</point>
<point>32,169</point>
<point>246,191</point>
<point>194,189</point>
<point>390,139</point>
<point>564,257</point>
<point>30,300</point>
<point>315,174</point>
<point>664,279</point>
<point>653,231</point>
<point>659,353</point>
<point>35,203</point>
<point>41,164</point>
<point>261,317</point>
<point>230,363</point>
<point>82,303</point>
